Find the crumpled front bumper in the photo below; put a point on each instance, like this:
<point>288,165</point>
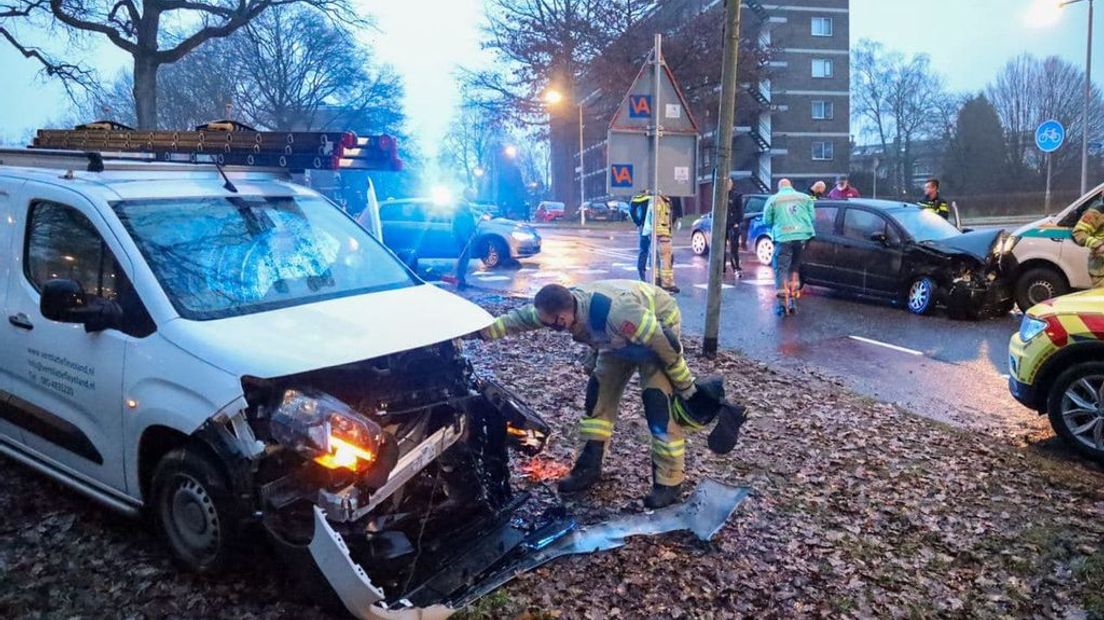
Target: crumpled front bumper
<point>977,299</point>
<point>703,513</point>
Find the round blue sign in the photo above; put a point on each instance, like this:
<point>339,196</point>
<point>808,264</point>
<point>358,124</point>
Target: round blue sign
<point>1049,136</point>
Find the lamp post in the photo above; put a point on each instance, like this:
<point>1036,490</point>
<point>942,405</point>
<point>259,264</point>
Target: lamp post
<point>1088,93</point>
<point>554,97</point>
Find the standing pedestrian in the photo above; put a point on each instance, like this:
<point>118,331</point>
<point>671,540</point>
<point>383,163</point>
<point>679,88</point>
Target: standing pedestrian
<point>1089,233</point>
<point>640,212</point>
<point>932,201</point>
<point>790,214</point>
<point>735,223</point>
<point>463,232</point>
<point>816,190</point>
<point>843,189</point>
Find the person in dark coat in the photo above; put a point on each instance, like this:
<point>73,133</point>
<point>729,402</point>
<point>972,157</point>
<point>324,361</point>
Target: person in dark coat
<point>735,221</point>
<point>463,231</point>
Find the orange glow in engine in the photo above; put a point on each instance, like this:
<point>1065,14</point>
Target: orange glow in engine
<point>344,454</point>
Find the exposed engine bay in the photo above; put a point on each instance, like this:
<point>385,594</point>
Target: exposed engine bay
<point>406,456</point>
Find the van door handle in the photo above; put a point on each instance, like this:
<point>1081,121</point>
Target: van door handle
<point>21,321</point>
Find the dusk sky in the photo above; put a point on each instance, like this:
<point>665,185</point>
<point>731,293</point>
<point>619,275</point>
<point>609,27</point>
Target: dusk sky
<point>426,40</point>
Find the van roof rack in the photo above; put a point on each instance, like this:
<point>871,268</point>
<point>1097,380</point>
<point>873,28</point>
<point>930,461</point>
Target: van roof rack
<point>106,145</point>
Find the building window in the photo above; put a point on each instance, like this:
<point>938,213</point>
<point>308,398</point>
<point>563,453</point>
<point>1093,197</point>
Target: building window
<point>823,111</point>
<point>822,26</point>
<point>822,67</point>
<point>823,151</point>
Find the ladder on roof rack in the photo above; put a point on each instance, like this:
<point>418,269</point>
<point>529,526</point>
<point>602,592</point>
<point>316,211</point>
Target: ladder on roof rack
<point>222,143</point>
<point>96,161</point>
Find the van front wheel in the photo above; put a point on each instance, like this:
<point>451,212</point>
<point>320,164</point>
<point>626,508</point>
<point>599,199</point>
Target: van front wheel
<point>191,504</point>
<point>1038,285</point>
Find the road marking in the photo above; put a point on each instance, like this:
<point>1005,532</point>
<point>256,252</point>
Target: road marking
<point>592,271</point>
<point>492,278</point>
<point>686,267</point>
<point>705,286</point>
<point>633,265</point>
<point>528,270</point>
<point>758,282</point>
<point>886,345</point>
<point>628,269</point>
<point>548,274</point>
<point>1005,376</point>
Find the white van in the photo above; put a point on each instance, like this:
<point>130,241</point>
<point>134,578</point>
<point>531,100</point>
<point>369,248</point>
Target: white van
<point>227,352</point>
<point>1050,263</point>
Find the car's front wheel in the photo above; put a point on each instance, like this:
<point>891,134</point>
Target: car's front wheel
<point>1037,285</point>
<point>698,243</point>
<point>764,250</point>
<point>191,504</point>
<point>920,296</point>
<point>495,253</point>
<point>1075,406</point>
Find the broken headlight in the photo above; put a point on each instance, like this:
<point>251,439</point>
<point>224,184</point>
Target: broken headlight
<point>324,429</point>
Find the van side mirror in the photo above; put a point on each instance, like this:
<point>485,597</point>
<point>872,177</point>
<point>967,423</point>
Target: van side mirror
<point>65,301</point>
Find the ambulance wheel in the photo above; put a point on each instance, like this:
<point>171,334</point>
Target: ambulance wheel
<point>1037,285</point>
<point>1075,407</point>
<point>192,507</point>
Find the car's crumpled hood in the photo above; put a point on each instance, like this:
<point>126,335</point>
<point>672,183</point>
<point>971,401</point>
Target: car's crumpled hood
<point>328,333</point>
<point>978,243</point>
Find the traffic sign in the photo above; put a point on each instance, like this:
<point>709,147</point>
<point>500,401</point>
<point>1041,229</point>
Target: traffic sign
<point>1049,136</point>
<point>1095,147</point>
<point>630,150</point>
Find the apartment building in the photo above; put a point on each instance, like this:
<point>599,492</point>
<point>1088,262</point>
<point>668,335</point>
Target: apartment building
<point>793,108</point>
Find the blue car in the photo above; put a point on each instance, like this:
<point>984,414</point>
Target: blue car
<point>756,233</point>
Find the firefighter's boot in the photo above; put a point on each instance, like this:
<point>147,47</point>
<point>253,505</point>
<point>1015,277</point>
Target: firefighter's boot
<point>587,470</point>
<point>662,495</point>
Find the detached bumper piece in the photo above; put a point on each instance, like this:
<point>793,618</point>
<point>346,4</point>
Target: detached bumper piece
<point>507,552</point>
<point>970,300</point>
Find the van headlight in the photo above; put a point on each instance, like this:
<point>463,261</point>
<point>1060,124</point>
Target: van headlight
<point>324,429</point>
<point>1031,327</point>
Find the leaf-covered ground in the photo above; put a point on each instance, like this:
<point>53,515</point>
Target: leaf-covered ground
<point>858,509</point>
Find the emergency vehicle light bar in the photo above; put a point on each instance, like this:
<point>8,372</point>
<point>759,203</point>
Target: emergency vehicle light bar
<point>232,144</point>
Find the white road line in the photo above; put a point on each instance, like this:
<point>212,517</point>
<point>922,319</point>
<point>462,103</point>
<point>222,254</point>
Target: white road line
<point>548,274</point>
<point>628,269</point>
<point>591,271</point>
<point>493,278</point>
<point>705,286</point>
<point>886,345</point>
<point>687,266</point>
<point>528,270</point>
<point>1005,376</point>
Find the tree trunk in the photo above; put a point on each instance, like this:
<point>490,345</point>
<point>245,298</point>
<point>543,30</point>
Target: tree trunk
<point>145,92</point>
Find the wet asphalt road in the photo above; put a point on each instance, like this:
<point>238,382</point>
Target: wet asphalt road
<point>954,371</point>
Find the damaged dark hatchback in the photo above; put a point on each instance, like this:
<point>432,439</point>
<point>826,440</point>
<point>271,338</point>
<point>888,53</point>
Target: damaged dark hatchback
<point>911,256</point>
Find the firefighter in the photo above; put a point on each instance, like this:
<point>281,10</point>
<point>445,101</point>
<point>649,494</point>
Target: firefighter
<point>663,222</point>
<point>631,327</point>
<point>1089,233</point>
<point>932,201</point>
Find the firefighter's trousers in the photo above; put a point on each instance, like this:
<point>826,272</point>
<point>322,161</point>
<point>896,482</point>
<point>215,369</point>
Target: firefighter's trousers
<point>666,262</point>
<point>1096,270</point>
<point>604,390</point>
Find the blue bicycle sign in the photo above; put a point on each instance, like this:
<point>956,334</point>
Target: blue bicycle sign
<point>1049,136</point>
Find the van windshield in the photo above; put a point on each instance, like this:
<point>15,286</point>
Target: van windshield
<point>221,257</point>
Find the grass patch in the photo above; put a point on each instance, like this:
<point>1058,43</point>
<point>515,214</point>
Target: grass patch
<point>1090,573</point>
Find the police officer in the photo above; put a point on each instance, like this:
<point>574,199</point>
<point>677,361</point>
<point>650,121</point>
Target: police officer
<point>1089,233</point>
<point>735,223</point>
<point>932,201</point>
<point>631,327</point>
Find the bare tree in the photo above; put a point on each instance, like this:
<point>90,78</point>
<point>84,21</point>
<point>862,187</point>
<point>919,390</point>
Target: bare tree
<point>1030,90</point>
<point>17,11</point>
<point>470,139</point>
<point>156,33</point>
<point>900,101</point>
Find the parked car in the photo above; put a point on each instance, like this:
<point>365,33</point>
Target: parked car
<point>1056,367</point>
<point>232,355</point>
<point>901,252</point>
<point>1050,263</point>
<point>548,211</point>
<point>757,235</point>
<point>612,210</point>
<point>418,228</point>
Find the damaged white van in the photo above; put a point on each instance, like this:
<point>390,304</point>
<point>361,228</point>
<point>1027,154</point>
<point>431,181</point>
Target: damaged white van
<point>234,355</point>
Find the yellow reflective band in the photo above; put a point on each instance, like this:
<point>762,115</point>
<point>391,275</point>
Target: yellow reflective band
<point>649,295</point>
<point>673,318</point>
<point>672,451</point>
<point>646,329</point>
<point>595,426</point>
<point>679,370</point>
<point>498,328</point>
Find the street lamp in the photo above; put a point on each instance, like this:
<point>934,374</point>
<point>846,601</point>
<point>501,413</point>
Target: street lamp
<point>479,172</point>
<point>553,97</point>
<point>510,151</point>
<point>1045,12</point>
<point>1088,91</point>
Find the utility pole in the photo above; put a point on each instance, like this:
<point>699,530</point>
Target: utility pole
<point>721,174</point>
<point>582,168</point>
<point>655,156</point>
<point>1085,111</point>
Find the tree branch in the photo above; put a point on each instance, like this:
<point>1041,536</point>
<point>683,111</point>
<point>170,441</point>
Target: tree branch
<point>58,9</point>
